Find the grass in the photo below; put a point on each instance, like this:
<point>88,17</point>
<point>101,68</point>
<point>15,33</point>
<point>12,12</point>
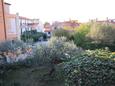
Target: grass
<point>33,76</point>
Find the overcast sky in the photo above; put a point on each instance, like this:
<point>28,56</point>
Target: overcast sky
<point>60,10</point>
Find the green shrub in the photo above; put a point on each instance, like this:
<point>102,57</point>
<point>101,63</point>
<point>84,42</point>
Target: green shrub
<point>95,35</point>
<point>31,35</point>
<point>93,46</point>
<point>11,45</point>
<point>61,44</point>
<point>11,49</point>
<point>57,51</point>
<point>91,68</point>
<point>103,33</point>
<point>80,37</point>
<point>61,32</point>
<point>45,36</point>
<point>57,48</point>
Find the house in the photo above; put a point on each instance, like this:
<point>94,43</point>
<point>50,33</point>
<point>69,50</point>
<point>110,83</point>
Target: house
<point>8,26</point>
<point>57,25</point>
<point>27,24</point>
<point>13,25</point>
<point>3,12</point>
<point>47,29</point>
<point>107,20</point>
<point>70,25</point>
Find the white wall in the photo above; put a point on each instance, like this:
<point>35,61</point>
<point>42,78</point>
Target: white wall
<point>12,28</point>
<point>40,27</point>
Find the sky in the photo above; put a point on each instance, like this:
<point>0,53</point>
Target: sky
<point>62,10</point>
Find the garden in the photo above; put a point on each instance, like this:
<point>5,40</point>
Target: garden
<point>85,57</point>
<point>33,36</point>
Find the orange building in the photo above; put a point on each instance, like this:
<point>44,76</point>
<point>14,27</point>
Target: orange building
<point>2,22</point>
<point>11,25</point>
<point>5,22</point>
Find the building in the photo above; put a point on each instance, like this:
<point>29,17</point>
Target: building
<point>70,25</point>
<point>107,20</point>
<point>8,25</point>
<point>13,25</point>
<point>12,29</point>
<point>57,25</point>
<point>47,29</point>
<point>2,21</point>
<point>27,24</point>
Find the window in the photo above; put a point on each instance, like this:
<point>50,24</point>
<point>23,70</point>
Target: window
<point>12,28</point>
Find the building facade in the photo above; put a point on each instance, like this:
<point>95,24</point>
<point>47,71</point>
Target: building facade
<point>2,22</point>
<point>70,25</point>
<point>13,25</point>
<point>8,24</point>
<point>47,29</point>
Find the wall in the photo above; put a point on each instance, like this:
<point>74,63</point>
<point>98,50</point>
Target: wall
<point>7,8</point>
<point>2,28</point>
<point>11,27</point>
